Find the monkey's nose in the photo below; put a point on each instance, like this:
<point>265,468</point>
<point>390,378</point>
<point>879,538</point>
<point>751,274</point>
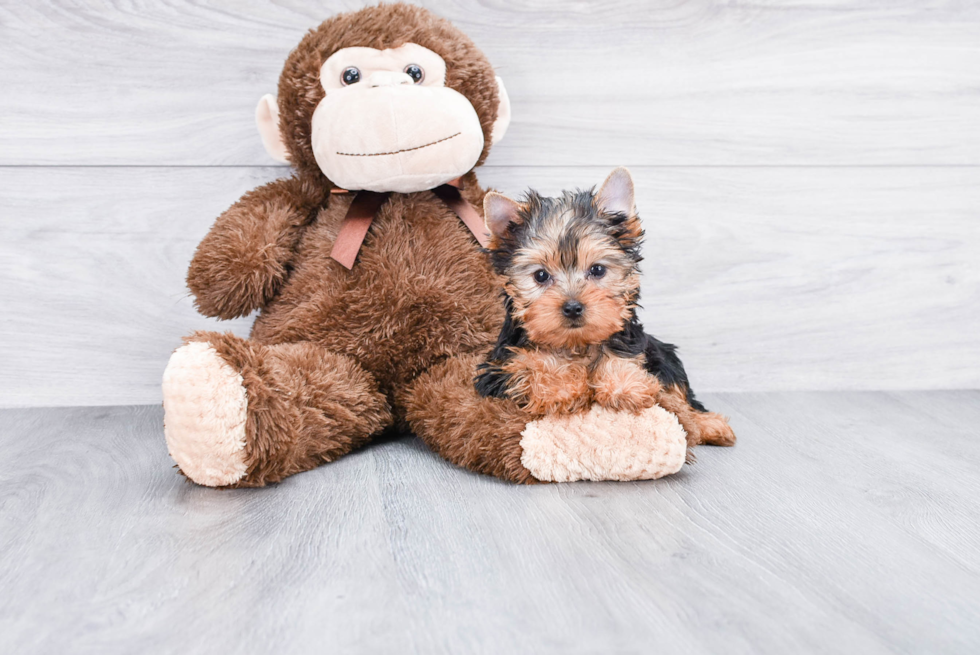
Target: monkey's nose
<point>572,308</point>
<point>388,78</point>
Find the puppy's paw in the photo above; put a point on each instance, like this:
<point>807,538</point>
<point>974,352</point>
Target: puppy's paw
<point>557,391</point>
<point>621,385</point>
<point>559,401</point>
<point>715,430</point>
<point>626,400</point>
<point>545,384</point>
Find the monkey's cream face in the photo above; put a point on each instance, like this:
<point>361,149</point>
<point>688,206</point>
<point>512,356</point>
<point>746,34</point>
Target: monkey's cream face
<point>388,122</point>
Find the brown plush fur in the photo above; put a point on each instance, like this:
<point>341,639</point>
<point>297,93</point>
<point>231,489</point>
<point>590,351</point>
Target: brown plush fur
<point>482,434</point>
<point>243,261</point>
<point>306,406</point>
<point>337,356</point>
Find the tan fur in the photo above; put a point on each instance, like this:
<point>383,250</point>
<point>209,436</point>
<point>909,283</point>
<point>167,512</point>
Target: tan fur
<point>701,427</point>
<point>622,384</point>
<point>566,381</point>
<point>549,382</point>
<point>715,430</point>
<point>545,324</point>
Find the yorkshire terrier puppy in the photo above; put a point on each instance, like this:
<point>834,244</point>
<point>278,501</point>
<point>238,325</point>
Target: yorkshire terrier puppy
<point>571,336</point>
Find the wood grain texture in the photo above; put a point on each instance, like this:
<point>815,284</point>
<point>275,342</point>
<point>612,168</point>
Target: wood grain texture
<point>606,83</point>
<point>767,278</point>
<point>842,522</point>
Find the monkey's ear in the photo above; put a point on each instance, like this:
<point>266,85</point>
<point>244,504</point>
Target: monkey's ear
<point>267,118</point>
<point>616,194</point>
<point>499,212</point>
<point>503,114</point>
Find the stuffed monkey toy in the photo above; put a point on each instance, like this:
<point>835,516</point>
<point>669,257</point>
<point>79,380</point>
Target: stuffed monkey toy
<point>375,299</point>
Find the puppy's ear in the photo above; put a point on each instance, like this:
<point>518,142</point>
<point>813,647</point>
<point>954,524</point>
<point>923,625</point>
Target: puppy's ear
<point>615,196</point>
<point>499,212</point>
<point>615,199</point>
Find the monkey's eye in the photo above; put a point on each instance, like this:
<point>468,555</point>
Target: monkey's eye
<point>541,276</point>
<point>350,76</point>
<point>597,270</point>
<point>415,72</point>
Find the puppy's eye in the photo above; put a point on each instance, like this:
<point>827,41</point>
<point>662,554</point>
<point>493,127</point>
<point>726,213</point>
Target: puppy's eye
<point>541,276</point>
<point>350,76</point>
<point>415,72</point>
<point>597,270</point>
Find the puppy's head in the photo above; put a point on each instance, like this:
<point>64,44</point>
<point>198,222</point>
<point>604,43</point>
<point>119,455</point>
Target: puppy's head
<point>570,263</point>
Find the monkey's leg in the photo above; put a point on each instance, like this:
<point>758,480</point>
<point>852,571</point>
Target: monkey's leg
<point>481,434</point>
<point>242,414</point>
<point>708,428</point>
<point>494,436</point>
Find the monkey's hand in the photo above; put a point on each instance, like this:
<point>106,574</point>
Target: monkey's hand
<point>242,262</point>
<point>622,384</point>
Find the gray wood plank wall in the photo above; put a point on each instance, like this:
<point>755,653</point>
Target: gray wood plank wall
<point>809,173</point>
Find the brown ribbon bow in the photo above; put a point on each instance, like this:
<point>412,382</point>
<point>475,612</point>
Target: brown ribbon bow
<point>366,204</point>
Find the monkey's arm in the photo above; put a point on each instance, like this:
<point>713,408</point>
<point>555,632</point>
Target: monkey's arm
<point>243,260</point>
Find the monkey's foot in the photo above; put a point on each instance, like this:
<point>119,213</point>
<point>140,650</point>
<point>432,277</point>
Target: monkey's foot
<point>604,445</point>
<point>205,410</point>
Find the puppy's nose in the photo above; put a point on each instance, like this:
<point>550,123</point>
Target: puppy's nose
<point>572,309</point>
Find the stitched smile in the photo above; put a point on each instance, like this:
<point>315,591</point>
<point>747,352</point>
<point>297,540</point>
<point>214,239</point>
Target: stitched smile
<point>395,152</point>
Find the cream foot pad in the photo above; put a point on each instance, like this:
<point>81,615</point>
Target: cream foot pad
<point>205,409</point>
<point>604,445</point>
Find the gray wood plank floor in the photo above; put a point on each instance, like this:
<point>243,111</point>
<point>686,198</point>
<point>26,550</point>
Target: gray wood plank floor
<point>842,522</point>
